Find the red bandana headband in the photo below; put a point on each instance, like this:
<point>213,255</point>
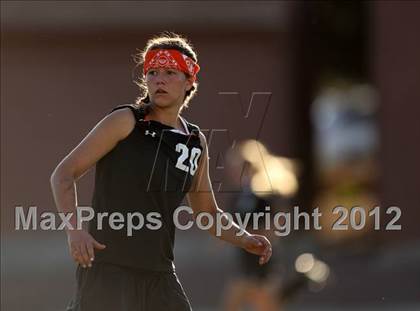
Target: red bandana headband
<point>170,59</point>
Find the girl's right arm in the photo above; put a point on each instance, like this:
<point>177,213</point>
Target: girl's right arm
<point>100,140</point>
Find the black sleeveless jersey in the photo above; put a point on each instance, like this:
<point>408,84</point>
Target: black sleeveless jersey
<point>149,171</point>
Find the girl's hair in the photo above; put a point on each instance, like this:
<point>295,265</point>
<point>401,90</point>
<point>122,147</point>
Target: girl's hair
<point>166,40</point>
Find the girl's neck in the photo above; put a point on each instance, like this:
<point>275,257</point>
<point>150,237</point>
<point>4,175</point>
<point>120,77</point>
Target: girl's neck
<point>167,116</point>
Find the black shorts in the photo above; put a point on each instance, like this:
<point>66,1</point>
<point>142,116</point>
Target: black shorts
<point>107,287</point>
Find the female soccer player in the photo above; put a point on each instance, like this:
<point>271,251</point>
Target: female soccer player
<point>147,159</point>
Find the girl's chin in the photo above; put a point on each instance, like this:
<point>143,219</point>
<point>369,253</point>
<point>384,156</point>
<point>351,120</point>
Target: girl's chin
<point>162,102</point>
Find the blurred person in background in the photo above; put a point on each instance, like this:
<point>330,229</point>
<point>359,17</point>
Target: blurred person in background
<point>267,185</point>
<point>120,272</point>
<point>264,180</point>
<point>346,144</point>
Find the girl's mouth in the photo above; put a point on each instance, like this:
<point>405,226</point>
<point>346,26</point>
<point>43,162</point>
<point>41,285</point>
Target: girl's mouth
<point>161,91</point>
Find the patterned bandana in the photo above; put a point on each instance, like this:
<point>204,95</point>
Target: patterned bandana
<point>170,59</point>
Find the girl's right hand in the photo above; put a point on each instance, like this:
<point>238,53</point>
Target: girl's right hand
<point>81,246</point>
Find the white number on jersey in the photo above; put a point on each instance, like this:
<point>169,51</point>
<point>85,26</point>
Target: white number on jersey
<point>193,161</point>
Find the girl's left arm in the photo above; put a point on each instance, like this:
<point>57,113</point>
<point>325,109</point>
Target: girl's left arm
<point>201,199</point>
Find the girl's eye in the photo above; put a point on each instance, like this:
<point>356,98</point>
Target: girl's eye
<point>170,72</point>
<point>151,72</point>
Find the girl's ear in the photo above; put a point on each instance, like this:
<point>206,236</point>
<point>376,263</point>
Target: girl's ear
<point>190,83</point>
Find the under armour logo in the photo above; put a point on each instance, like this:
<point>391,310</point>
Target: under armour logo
<point>153,134</point>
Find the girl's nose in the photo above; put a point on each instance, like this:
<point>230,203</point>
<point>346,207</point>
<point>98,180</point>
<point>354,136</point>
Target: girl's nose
<point>160,77</point>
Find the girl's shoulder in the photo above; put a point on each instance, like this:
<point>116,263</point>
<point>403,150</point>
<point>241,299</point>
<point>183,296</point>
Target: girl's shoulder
<point>137,110</point>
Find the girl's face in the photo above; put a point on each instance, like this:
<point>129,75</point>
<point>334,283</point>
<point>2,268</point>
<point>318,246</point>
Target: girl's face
<point>167,87</point>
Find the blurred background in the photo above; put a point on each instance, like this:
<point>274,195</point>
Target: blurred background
<point>313,104</point>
